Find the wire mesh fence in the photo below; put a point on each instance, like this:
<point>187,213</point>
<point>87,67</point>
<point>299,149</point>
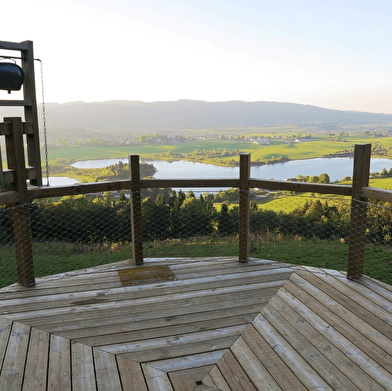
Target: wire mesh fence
<point>80,232</point>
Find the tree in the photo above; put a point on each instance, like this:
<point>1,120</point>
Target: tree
<point>324,178</point>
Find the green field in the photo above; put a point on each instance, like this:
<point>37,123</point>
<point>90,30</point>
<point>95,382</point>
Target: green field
<point>327,254</point>
<point>293,151</point>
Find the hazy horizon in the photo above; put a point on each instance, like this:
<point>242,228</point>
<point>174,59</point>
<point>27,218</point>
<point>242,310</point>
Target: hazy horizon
<point>334,55</point>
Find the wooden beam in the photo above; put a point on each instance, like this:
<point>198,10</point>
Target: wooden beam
<point>125,184</point>
<point>8,197</point>
<point>20,214</point>
<point>31,115</point>
<point>300,187</point>
<point>15,103</point>
<point>5,129</point>
<point>164,183</point>
<point>136,210</point>
<point>14,45</point>
<point>244,207</point>
<point>362,153</point>
<point>378,194</point>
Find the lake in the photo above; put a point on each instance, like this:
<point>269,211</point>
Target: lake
<point>336,168</point>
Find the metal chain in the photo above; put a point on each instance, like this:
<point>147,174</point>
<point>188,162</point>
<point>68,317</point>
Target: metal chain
<point>44,123</point>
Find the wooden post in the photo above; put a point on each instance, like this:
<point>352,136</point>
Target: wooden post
<point>20,214</point>
<point>244,206</point>
<point>30,110</point>
<point>356,248</point>
<point>136,210</point>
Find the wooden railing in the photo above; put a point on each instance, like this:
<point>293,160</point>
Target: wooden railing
<point>19,193</point>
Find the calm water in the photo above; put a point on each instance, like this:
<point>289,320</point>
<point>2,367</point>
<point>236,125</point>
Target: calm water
<point>336,168</point>
<point>59,181</point>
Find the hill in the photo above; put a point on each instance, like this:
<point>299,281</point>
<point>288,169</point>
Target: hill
<point>189,114</point>
<point>137,117</point>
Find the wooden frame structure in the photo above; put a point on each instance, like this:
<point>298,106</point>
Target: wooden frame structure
<point>29,103</point>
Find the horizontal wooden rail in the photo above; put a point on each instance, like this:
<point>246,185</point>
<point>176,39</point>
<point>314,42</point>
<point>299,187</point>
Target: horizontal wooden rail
<point>5,129</point>
<point>378,194</point>
<point>21,103</point>
<point>125,184</point>
<point>8,197</point>
<point>163,183</point>
<point>301,187</point>
<point>9,175</point>
<point>78,188</point>
<point>14,45</point>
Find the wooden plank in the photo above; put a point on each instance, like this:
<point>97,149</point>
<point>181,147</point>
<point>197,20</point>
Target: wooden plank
<point>77,189</point>
<point>205,388</point>
<point>348,324</point>
<point>13,45</point>
<point>207,381</point>
<point>331,348</point>
<point>244,207</point>
<point>11,102</point>
<point>8,197</point>
<point>36,367</point>
<point>381,289</point>
<point>136,210</point>
<point>5,129</point>
<point>233,373</point>
<point>362,153</point>
<point>30,112</point>
<point>110,318</point>
<point>156,380</point>
<point>271,360</point>
<point>108,378</point>
<point>131,375</point>
<point>196,374</point>
<point>188,362</point>
<point>366,298</point>
<point>146,294</point>
<point>180,383</point>
<point>178,183</point>
<point>253,367</point>
<point>297,364</point>
<point>23,244</point>
<point>171,325</point>
<point>5,332</point>
<point>28,127</point>
<point>83,375</point>
<point>365,367</point>
<point>320,188</point>
<point>59,371</point>
<point>218,379</point>
<point>21,214</point>
<point>11,376</point>
<point>169,340</point>
<point>349,303</point>
<point>327,370</point>
<point>176,340</point>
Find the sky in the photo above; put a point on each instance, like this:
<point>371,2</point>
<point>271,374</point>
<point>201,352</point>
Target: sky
<point>335,54</point>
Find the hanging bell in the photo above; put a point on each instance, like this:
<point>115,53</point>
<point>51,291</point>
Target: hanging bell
<point>11,76</point>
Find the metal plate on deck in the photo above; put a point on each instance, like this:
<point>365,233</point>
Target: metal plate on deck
<point>144,275</point>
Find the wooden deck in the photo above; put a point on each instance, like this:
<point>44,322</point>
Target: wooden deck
<point>197,324</point>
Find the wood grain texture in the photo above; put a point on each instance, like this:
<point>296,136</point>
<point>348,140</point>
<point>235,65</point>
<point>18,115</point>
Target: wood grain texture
<point>218,324</point>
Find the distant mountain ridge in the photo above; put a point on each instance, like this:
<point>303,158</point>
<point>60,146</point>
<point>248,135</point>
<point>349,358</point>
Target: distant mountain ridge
<point>138,116</point>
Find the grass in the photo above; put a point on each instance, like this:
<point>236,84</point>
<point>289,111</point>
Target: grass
<point>58,257</point>
<point>302,150</point>
<point>326,254</point>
